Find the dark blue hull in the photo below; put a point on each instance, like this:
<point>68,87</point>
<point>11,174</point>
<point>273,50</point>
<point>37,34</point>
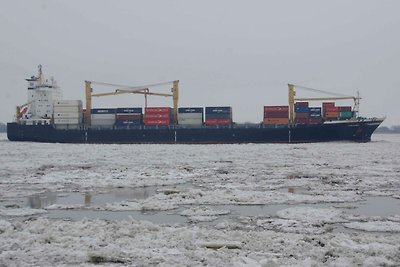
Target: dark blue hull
<point>359,131</point>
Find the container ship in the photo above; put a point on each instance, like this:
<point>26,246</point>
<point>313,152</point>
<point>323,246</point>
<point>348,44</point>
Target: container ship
<point>46,117</point>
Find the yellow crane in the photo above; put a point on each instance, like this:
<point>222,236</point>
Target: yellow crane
<point>293,99</point>
<point>144,90</point>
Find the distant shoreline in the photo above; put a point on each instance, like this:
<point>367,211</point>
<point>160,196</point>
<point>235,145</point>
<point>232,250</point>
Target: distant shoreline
<point>388,130</point>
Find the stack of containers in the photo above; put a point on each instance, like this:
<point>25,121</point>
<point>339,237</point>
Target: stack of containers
<point>345,112</point>
<point>330,111</point>
<point>67,112</point>
<point>218,116</point>
<point>315,115</point>
<point>128,116</point>
<point>190,116</point>
<point>276,115</point>
<point>302,113</point>
<point>158,116</point>
<point>103,117</point>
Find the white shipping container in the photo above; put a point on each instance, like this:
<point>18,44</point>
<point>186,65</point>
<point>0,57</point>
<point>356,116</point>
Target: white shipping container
<point>67,121</point>
<point>68,103</point>
<point>190,121</point>
<point>103,116</point>
<point>103,122</point>
<point>190,116</point>
<point>66,109</point>
<point>73,115</point>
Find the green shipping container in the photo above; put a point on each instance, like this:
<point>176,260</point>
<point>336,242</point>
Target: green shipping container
<point>345,114</point>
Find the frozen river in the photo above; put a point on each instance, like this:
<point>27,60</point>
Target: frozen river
<point>331,204</point>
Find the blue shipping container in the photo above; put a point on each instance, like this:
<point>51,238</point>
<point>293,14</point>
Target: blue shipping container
<point>218,116</point>
<point>103,111</point>
<point>130,110</point>
<point>315,112</point>
<point>190,110</point>
<point>301,109</point>
<point>218,110</point>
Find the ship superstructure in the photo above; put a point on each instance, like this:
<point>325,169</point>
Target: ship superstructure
<point>42,94</point>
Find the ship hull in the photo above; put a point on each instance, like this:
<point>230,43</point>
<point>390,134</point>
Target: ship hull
<point>359,131</point>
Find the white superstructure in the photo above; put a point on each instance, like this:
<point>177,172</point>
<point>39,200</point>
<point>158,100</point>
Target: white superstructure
<point>41,97</point>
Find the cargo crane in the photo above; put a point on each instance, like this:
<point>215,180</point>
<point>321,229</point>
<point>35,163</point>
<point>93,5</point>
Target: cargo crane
<point>292,99</point>
<point>144,90</point>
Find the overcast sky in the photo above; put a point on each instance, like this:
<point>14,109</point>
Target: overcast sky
<point>237,53</point>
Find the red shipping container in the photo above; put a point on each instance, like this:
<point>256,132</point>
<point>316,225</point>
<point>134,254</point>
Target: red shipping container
<point>157,110</point>
<point>218,121</point>
<point>157,116</point>
<point>302,115</point>
<point>328,104</point>
<point>315,120</point>
<point>275,108</point>
<point>301,120</point>
<point>301,104</point>
<point>331,109</point>
<point>276,114</point>
<point>153,122</point>
<point>345,108</point>
<point>127,117</point>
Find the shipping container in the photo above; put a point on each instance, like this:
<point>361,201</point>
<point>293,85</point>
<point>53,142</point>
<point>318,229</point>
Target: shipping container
<point>67,115</point>
<point>328,104</point>
<point>302,110</point>
<point>345,114</point>
<point>276,114</point>
<point>68,103</point>
<point>67,109</point>
<point>276,121</point>
<point>190,110</point>
<point>99,122</point>
<point>157,110</point>
<point>301,105</point>
<point>345,108</point>
<point>218,110</point>
<point>332,114</point>
<point>157,122</point>
<point>302,115</point>
<point>218,121</point>
<point>276,108</point>
<point>68,121</point>
<point>129,110</point>
<point>103,111</point>
<point>315,112</point>
<point>157,116</point>
<point>331,109</point>
<point>190,116</point>
<point>218,116</point>
<point>105,116</point>
<point>190,122</point>
<point>127,116</point>
<point>128,122</point>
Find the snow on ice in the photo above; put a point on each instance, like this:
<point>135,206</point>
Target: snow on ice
<point>314,190</point>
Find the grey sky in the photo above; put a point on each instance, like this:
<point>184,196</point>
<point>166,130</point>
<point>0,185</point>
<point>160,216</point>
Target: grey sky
<point>237,53</point>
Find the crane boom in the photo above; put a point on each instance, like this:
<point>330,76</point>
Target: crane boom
<point>144,90</point>
<point>292,99</point>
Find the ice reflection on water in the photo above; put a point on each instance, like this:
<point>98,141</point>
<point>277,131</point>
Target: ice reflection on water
<point>372,206</point>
